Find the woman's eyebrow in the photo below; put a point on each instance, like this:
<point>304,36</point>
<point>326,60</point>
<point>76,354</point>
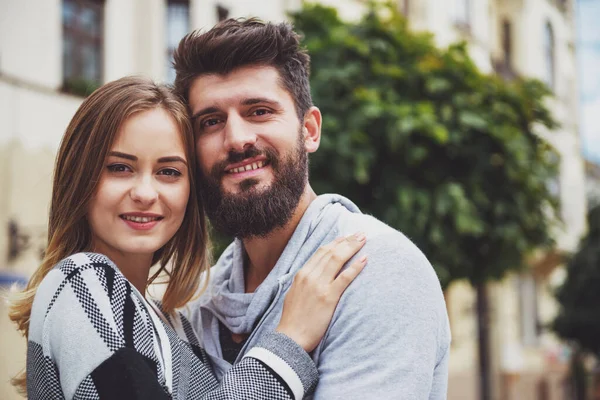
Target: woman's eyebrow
<point>170,159</point>
<point>123,155</point>
<point>166,159</point>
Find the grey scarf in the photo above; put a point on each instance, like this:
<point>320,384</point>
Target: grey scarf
<point>241,311</point>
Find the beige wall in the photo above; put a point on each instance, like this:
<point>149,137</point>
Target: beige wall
<point>30,46</point>
<point>134,35</point>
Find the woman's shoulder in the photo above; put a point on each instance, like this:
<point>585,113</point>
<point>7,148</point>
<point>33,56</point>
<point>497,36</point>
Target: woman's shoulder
<point>74,266</point>
<point>84,292</point>
<point>85,260</point>
<point>89,275</point>
<point>83,313</point>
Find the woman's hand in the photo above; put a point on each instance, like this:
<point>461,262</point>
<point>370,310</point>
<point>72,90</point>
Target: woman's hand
<point>317,288</point>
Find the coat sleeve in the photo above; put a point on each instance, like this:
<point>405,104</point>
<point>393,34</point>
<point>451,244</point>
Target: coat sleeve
<point>262,374</point>
<point>277,368</point>
<point>389,337</point>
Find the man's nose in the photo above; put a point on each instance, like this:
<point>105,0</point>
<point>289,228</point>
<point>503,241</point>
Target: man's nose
<point>239,134</point>
<point>143,191</point>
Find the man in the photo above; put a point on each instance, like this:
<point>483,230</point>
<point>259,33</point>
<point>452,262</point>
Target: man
<point>246,83</point>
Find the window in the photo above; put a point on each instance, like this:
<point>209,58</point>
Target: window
<point>405,7</point>
<point>562,4</point>
<point>507,43</point>
<point>178,25</point>
<point>82,45</point>
<point>222,13</point>
<point>556,190</point>
<point>549,56</point>
<point>528,305</point>
<point>504,65</point>
<point>462,13</point>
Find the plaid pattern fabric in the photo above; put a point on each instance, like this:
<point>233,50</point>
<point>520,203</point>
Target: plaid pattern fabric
<point>85,310</point>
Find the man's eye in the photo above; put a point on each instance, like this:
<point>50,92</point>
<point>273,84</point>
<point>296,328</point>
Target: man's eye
<point>261,111</point>
<point>118,168</point>
<point>207,123</point>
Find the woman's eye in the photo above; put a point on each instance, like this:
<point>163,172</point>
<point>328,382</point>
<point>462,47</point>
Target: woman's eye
<point>118,168</point>
<point>169,172</point>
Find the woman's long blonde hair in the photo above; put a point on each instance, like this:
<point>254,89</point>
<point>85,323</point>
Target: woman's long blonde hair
<point>79,164</point>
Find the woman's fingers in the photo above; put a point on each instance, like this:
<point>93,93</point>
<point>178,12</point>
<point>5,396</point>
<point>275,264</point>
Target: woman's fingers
<point>317,257</point>
<point>343,280</point>
<point>315,291</point>
<point>338,255</point>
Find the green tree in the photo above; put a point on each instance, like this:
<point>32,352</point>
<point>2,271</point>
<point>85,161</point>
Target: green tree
<point>578,320</point>
<point>418,137</point>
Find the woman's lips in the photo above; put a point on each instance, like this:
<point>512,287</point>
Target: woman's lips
<point>139,222</point>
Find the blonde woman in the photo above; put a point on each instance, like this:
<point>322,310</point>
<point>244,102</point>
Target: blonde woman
<point>124,199</point>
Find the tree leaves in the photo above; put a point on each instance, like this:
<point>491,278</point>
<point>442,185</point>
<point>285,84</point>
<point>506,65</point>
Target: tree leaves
<point>579,297</point>
<point>420,138</point>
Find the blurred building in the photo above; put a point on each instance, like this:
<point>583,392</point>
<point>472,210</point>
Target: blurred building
<point>592,180</point>
<point>534,38</point>
<point>52,52</point>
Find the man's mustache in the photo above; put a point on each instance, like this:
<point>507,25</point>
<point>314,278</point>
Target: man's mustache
<point>234,157</point>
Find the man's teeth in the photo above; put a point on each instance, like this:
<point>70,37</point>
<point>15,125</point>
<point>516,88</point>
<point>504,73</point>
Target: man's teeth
<point>247,167</point>
<point>142,220</point>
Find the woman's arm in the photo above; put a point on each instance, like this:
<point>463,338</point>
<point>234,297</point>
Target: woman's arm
<point>91,337</point>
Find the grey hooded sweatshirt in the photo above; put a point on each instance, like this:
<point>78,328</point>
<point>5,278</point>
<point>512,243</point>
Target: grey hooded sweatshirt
<point>389,337</point>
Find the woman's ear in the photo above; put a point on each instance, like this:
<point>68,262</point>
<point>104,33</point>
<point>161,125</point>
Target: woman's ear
<point>311,129</point>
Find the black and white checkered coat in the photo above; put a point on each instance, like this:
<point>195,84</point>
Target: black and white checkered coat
<point>92,335</point>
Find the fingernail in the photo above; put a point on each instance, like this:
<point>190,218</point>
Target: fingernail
<point>360,236</point>
<point>363,259</point>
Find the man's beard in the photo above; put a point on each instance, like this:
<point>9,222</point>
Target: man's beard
<point>256,211</point>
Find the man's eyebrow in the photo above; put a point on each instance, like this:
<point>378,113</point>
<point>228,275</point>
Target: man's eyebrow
<point>204,111</point>
<point>122,155</point>
<point>246,102</point>
<point>170,159</point>
<point>257,100</point>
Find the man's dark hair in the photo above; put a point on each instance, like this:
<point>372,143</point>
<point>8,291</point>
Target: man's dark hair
<point>235,43</point>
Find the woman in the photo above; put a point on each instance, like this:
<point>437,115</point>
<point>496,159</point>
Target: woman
<point>124,199</point>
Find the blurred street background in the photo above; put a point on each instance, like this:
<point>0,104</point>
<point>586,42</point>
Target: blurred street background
<point>473,126</point>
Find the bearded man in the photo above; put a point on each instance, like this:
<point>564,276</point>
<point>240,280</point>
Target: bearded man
<point>247,86</point>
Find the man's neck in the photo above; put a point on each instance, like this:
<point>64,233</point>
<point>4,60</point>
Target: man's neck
<point>264,252</point>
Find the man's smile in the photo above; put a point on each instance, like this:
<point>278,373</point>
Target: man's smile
<point>247,165</point>
<point>250,167</point>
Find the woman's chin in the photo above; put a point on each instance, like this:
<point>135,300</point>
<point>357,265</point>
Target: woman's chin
<point>140,249</point>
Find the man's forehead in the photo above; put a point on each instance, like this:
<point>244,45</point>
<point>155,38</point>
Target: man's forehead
<point>218,90</point>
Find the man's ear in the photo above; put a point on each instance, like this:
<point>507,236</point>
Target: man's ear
<point>312,129</point>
